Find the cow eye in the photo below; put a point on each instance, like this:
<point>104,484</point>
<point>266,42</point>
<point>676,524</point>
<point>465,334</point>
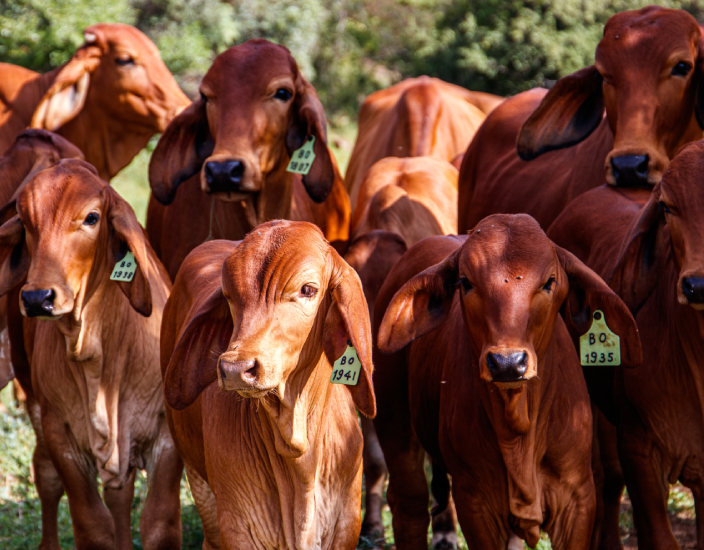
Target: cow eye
<point>124,61</point>
<point>203,97</point>
<point>681,69</point>
<point>283,94</point>
<point>466,285</point>
<point>91,219</point>
<point>308,291</point>
<point>664,207</point>
<point>547,287</point>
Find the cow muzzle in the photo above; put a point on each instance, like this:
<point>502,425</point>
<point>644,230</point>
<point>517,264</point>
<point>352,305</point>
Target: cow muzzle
<point>240,376</point>
<point>630,170</point>
<point>508,367</point>
<point>230,179</point>
<point>691,292</point>
<point>38,303</point>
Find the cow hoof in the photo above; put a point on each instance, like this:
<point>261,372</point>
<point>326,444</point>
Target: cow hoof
<point>444,541</point>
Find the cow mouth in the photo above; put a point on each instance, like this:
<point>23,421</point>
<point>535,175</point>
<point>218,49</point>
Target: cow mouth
<point>233,196</point>
<point>510,384</point>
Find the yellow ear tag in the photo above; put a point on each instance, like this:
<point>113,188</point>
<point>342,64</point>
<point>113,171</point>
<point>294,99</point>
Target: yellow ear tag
<point>124,269</point>
<point>346,368</point>
<point>600,346</point>
<point>302,159</point>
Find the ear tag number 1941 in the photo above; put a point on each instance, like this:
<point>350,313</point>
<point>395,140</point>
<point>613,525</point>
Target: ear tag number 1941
<point>124,269</point>
<point>346,368</point>
<point>600,346</point>
<point>302,159</point>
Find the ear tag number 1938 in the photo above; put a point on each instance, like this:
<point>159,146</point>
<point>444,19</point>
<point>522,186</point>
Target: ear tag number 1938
<point>302,159</point>
<point>124,269</point>
<point>346,368</point>
<point>600,346</point>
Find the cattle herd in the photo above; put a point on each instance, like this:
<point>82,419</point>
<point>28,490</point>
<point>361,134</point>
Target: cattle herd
<point>509,291</point>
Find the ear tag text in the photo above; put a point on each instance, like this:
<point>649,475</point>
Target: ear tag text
<point>346,369</point>
<point>302,159</point>
<point>600,346</point>
<point>124,269</point>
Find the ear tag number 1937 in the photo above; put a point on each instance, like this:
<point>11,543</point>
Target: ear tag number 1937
<point>302,159</point>
<point>600,346</point>
<point>346,368</point>
<point>124,269</point>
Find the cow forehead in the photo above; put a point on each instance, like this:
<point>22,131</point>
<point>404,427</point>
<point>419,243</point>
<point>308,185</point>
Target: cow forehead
<point>126,36</point>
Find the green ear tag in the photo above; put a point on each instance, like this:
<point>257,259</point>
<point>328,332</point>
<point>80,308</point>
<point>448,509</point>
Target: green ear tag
<point>346,368</point>
<point>600,346</point>
<point>302,159</point>
<point>124,269</point>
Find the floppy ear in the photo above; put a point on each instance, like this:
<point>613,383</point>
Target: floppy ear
<point>699,99</point>
<point>348,319</point>
<point>421,305</point>
<point>181,151</point>
<point>309,120</point>
<point>69,91</point>
<point>14,256</point>
<point>587,293</point>
<point>645,253</point>
<point>193,363</point>
<point>126,234</point>
<point>570,111</point>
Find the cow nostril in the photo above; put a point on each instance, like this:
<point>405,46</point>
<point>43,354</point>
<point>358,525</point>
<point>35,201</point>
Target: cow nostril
<point>491,362</point>
<point>642,167</point>
<point>236,171</point>
<point>693,289</point>
<point>209,175</point>
<point>630,170</point>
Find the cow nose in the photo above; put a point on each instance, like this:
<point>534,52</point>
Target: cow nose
<point>693,289</point>
<point>507,368</point>
<point>630,170</point>
<point>224,176</point>
<point>238,375</point>
<point>38,303</point>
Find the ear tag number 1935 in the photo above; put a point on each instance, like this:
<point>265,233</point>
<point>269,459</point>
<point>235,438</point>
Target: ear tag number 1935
<point>600,346</point>
<point>124,269</point>
<point>302,159</point>
<point>346,368</point>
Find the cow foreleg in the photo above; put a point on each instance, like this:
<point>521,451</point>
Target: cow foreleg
<point>207,509</point>
<point>375,473</point>
<point>572,529</point>
<point>50,491</point>
<point>610,532</point>
<point>443,514</point>
<point>119,502</point>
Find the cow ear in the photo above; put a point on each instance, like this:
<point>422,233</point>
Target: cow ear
<point>192,366</point>
<point>699,75</point>
<point>67,94</point>
<point>570,111</point>
<point>420,306</point>
<point>127,235</point>
<point>14,256</point>
<point>348,320</point>
<point>588,293</point>
<point>309,120</point>
<point>644,255</point>
<point>181,151</point>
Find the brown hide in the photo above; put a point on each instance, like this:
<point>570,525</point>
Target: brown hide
<point>416,117</point>
<point>274,441</point>
<point>221,165</point>
<point>516,439</point>
<point>108,100</point>
<point>640,99</point>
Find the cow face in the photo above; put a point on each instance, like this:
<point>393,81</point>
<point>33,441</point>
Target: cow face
<point>512,282</point>
<point>70,230</point>
<point>255,110</point>
<point>646,78</point>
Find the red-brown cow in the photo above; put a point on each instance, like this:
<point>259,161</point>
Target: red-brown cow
<point>620,120</point>
<point>273,451</point>
<point>490,385</point>
<point>111,97</point>
<point>221,166</point>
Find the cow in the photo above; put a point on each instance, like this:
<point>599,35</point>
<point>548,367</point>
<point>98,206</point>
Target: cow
<point>620,120</point>
<point>490,385</point>
<point>273,451</point>
<point>221,166</point>
<point>417,117</point>
<point>109,99</point>
<point>649,247</point>
<point>93,345</point>
<point>401,201</point>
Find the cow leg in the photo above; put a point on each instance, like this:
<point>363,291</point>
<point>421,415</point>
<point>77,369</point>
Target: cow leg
<point>699,511</point>
<point>572,529</point>
<point>375,473</point>
<point>160,523</point>
<point>613,484</point>
<point>207,509</point>
<point>119,502</point>
<point>479,522</point>
<point>514,542</point>
<point>444,531</point>
<point>49,488</point>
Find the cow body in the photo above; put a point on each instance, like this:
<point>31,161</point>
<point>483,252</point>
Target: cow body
<point>416,117</point>
<point>278,467</point>
<point>620,121</point>
<point>519,461</point>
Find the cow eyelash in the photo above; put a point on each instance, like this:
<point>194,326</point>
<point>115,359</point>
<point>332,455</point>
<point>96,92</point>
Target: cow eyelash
<point>466,285</point>
<point>91,219</point>
<point>681,69</point>
<point>664,207</point>
<point>283,94</point>
<point>124,61</point>
<point>549,284</point>
<point>308,291</point>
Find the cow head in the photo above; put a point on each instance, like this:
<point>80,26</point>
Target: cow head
<point>512,283</point>
<point>669,227</point>
<point>255,110</point>
<point>70,231</point>
<point>647,78</point>
<point>117,79</point>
